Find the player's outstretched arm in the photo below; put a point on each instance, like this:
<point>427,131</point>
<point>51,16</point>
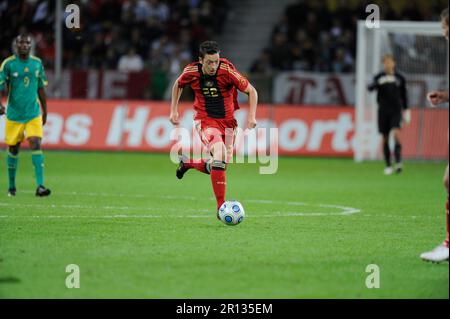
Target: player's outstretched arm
<point>176,94</point>
<point>43,100</point>
<point>253,102</point>
<point>437,97</point>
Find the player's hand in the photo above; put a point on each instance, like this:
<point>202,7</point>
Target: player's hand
<point>407,117</point>
<point>44,118</point>
<point>174,118</point>
<point>2,109</point>
<point>251,123</point>
<point>437,97</point>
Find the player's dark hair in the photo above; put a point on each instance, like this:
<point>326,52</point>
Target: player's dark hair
<point>444,15</point>
<point>208,47</point>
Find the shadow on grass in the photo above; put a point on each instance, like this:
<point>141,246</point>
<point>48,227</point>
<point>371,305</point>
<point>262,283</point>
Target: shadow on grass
<point>9,280</point>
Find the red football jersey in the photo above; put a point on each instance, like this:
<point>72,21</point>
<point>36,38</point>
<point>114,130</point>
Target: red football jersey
<point>215,95</point>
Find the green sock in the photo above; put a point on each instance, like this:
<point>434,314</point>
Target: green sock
<point>12,161</point>
<point>38,162</point>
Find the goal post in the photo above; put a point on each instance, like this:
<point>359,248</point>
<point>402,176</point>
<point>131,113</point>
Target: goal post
<point>421,54</point>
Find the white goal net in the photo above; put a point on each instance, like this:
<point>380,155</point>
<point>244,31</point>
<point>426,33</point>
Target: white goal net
<point>421,54</point>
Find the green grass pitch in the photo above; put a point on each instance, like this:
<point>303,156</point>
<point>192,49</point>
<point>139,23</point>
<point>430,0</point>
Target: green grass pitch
<point>136,231</point>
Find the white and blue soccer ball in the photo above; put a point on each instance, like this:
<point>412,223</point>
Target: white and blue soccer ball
<point>231,213</point>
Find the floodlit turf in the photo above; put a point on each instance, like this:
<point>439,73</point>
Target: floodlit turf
<point>136,231</point>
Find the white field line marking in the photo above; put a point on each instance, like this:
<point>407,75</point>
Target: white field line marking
<point>120,195</point>
<point>125,208</point>
<point>340,210</point>
<point>121,216</point>
<point>346,210</point>
<point>194,216</point>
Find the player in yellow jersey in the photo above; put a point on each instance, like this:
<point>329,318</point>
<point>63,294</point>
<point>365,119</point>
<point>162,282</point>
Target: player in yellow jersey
<point>22,76</point>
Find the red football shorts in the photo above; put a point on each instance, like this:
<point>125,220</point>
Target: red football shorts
<point>212,131</point>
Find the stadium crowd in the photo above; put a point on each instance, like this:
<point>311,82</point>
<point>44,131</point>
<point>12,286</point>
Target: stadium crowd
<point>129,35</point>
<point>163,35</point>
<point>315,36</point>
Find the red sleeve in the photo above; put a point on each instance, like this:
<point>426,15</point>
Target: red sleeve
<point>238,80</point>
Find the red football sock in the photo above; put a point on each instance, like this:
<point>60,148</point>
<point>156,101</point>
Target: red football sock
<point>199,165</point>
<point>218,179</point>
<point>446,239</point>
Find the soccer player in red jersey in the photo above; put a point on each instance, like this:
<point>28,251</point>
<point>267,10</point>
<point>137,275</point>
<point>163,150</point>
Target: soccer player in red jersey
<point>440,253</point>
<point>215,82</point>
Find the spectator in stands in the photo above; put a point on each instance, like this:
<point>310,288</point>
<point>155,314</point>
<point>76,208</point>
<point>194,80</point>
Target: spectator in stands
<point>282,26</point>
<point>128,10</point>
<point>280,52</point>
<point>342,62</point>
<point>166,45</point>
<point>303,51</point>
<point>153,29</point>
<point>262,65</point>
<point>336,28</point>
<point>139,42</point>
<point>312,26</point>
<point>179,59</point>
<point>323,39</point>
<point>299,60</point>
<point>158,65</point>
<point>131,62</point>
<point>324,53</point>
<point>158,10</point>
<point>106,32</point>
<point>116,41</point>
<point>82,61</point>
<point>136,10</point>
<point>198,32</point>
<point>98,50</point>
<point>109,27</point>
<point>110,60</point>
